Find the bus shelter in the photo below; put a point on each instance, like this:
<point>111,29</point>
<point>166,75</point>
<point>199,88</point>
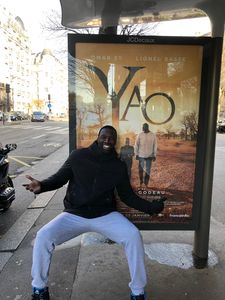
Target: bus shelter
<point>179,101</point>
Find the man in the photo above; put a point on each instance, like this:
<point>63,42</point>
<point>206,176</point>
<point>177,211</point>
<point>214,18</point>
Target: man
<point>126,155</point>
<point>145,149</point>
<point>93,174</point>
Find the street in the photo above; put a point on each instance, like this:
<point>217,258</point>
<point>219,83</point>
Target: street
<point>79,263</point>
<point>39,140</point>
<point>35,141</point>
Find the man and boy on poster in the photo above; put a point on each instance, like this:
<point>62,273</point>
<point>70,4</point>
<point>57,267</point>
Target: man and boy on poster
<point>145,149</point>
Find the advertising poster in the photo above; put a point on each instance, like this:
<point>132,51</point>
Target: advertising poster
<point>129,85</point>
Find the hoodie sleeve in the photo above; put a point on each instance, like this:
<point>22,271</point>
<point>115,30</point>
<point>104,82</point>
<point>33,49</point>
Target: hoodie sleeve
<point>128,196</point>
<point>60,178</point>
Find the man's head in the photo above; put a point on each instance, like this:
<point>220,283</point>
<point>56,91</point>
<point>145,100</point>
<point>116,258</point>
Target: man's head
<point>127,141</point>
<point>145,127</point>
<point>107,137</point>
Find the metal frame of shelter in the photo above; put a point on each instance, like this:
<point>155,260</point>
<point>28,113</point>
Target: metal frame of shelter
<point>74,15</point>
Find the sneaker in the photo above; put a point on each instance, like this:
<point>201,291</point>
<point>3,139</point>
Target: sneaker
<point>137,297</point>
<point>40,294</point>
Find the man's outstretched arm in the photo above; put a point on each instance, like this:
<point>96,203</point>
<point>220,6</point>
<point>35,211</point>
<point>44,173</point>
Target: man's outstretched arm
<point>128,196</point>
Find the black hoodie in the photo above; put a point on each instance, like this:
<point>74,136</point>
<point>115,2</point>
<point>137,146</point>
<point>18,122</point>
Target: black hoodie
<point>93,177</point>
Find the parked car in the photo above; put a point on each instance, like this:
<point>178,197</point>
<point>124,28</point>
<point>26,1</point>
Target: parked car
<point>220,126</point>
<point>38,116</point>
<point>20,115</point>
<point>14,116</point>
<point>8,116</point>
<point>62,115</point>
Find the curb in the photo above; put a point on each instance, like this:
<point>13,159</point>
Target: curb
<point>15,235</point>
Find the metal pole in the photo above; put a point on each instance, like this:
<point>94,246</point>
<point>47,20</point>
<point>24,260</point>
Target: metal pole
<point>201,238</point>
<point>72,121</point>
<point>7,88</point>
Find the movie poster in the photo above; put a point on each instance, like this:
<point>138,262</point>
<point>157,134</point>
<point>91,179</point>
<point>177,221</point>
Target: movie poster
<point>129,85</point>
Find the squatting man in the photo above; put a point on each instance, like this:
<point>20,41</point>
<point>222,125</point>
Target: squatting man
<point>93,173</point>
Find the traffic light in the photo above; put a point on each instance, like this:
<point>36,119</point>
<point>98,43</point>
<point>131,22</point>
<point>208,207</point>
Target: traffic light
<point>7,88</point>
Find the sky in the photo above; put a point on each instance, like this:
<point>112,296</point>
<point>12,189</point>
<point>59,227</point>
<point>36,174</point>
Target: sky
<point>195,26</point>
<point>33,13</point>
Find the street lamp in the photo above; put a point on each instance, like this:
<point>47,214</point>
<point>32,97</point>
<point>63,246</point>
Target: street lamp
<point>49,103</point>
<point>7,89</point>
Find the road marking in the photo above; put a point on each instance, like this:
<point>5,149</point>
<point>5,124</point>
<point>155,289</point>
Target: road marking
<point>56,145</point>
<point>49,129</point>
<point>220,149</point>
<point>25,142</point>
<point>63,130</point>
<point>19,161</point>
<point>52,128</point>
<point>58,132</point>
<point>32,157</point>
<point>38,137</point>
<point>40,127</point>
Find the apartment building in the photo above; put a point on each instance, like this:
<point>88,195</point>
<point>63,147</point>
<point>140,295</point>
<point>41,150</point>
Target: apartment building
<point>49,83</point>
<point>15,59</point>
<point>28,81</point>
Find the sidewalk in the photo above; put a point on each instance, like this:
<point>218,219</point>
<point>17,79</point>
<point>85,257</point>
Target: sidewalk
<point>87,268</point>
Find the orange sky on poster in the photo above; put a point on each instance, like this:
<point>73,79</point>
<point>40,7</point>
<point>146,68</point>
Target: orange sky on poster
<point>171,69</point>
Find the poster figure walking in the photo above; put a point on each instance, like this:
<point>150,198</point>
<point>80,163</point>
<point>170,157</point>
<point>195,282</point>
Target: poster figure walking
<point>145,150</point>
<point>126,155</point>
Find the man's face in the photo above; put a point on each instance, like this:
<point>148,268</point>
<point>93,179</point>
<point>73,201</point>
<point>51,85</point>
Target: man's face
<point>106,140</point>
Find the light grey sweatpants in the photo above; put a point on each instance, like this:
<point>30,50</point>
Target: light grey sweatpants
<point>67,226</point>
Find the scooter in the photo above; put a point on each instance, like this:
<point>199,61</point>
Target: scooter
<point>7,191</point>
<point>221,128</point>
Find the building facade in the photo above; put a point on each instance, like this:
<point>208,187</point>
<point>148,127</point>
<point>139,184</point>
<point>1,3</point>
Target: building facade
<point>28,81</point>
<point>15,59</point>
<point>49,84</point>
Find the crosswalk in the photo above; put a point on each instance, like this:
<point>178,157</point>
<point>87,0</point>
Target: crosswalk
<point>49,129</point>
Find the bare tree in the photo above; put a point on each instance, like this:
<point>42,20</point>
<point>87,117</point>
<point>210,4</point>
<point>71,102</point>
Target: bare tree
<point>193,125</point>
<point>169,131</point>
<point>137,29</point>
<point>81,114</point>
<point>83,72</point>
<point>82,75</point>
<point>190,123</point>
<point>52,25</point>
<point>99,111</point>
<point>184,122</point>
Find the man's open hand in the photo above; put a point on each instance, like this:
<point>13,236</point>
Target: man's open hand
<point>34,186</point>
